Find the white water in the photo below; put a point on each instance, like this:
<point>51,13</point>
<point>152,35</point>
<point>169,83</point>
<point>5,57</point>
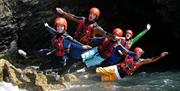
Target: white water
<point>4,86</point>
<point>157,81</point>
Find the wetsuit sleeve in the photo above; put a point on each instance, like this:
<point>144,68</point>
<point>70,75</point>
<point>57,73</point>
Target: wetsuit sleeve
<point>135,39</point>
<point>66,43</point>
<point>100,31</point>
<point>72,17</point>
<point>76,45</point>
<point>70,38</point>
<point>125,51</point>
<point>146,61</point>
<point>51,30</point>
<point>73,44</point>
<point>77,17</point>
<point>151,60</point>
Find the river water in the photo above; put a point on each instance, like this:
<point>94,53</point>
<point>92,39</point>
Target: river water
<point>142,81</point>
<point>157,81</point>
<point>4,86</point>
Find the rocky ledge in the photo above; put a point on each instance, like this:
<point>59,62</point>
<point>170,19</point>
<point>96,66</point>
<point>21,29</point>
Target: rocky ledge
<point>33,80</point>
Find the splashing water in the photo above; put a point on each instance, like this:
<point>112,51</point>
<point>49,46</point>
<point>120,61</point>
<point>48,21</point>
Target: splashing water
<point>9,87</point>
<point>157,81</point>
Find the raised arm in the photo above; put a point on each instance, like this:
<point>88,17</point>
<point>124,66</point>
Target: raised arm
<point>125,51</point>
<point>163,54</point>
<point>100,31</point>
<point>68,15</point>
<point>135,39</point>
<point>50,29</point>
<point>69,37</point>
<point>146,61</point>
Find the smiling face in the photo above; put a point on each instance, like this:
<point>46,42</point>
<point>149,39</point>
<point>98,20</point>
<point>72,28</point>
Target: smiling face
<point>60,28</point>
<point>60,25</point>
<point>139,54</point>
<point>128,36</point>
<point>92,17</point>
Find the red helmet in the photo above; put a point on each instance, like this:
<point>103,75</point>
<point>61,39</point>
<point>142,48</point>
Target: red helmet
<point>130,32</point>
<point>138,50</point>
<point>118,32</point>
<point>61,21</point>
<point>95,11</point>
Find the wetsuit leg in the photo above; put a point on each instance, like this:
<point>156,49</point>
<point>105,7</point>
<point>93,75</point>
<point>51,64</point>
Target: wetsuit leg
<point>114,59</point>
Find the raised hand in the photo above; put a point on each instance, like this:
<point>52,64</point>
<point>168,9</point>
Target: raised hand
<point>86,46</point>
<point>46,24</point>
<point>59,10</point>
<point>148,26</point>
<point>164,54</point>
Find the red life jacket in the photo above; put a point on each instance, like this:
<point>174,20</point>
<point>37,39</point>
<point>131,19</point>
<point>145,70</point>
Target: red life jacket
<point>58,43</point>
<point>86,31</point>
<point>133,68</point>
<point>129,61</point>
<point>126,43</point>
<point>129,66</point>
<point>106,49</point>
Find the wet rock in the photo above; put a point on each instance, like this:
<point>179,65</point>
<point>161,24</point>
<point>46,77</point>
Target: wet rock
<point>25,18</point>
<point>9,72</point>
<point>5,11</point>
<point>31,79</point>
<point>7,24</point>
<point>71,78</point>
<point>31,22</point>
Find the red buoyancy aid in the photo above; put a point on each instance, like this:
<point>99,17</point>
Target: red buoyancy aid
<point>129,60</point>
<point>106,49</point>
<point>58,43</point>
<point>87,33</point>
<point>80,26</point>
<point>133,68</point>
<point>129,66</point>
<point>126,43</point>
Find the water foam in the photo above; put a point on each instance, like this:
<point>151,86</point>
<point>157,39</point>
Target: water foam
<point>4,86</point>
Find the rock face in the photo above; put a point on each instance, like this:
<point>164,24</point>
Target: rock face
<point>25,18</point>
<point>31,79</point>
<point>31,15</point>
<point>7,24</point>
